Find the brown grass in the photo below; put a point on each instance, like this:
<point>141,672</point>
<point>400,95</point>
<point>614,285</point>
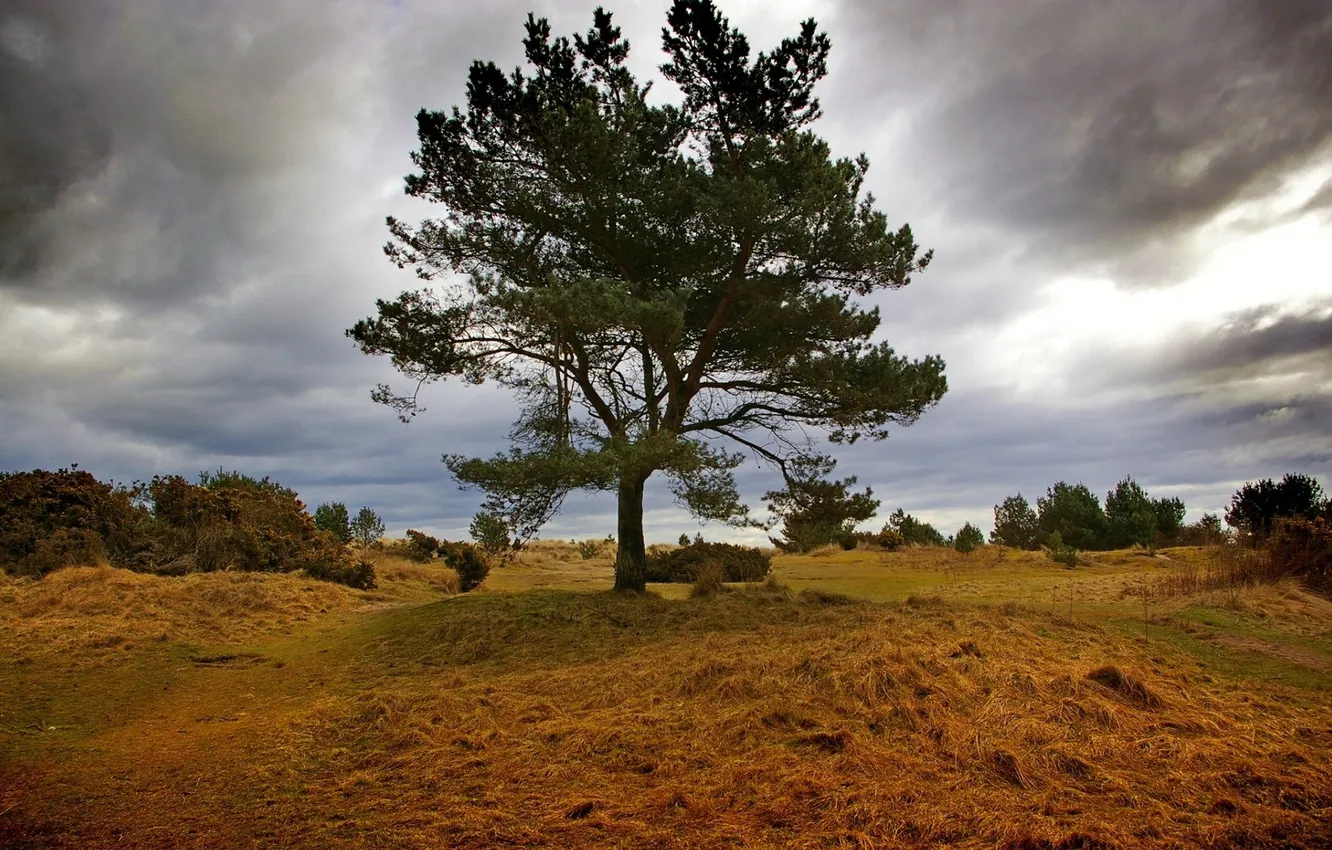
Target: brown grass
<point>108,609</point>
<point>758,718</point>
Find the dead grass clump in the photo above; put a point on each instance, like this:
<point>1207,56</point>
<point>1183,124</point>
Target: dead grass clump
<point>708,582</point>
<point>1125,685</point>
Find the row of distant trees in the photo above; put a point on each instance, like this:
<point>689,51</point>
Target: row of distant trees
<point>1131,517</point>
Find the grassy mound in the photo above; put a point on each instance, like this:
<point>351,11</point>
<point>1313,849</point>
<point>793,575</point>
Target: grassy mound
<point>104,608</point>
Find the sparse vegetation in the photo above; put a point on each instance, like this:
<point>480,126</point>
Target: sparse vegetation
<point>912,531</point>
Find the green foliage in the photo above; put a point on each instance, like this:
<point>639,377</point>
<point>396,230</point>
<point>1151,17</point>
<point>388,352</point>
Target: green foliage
<point>847,540</point>
<point>968,538</point>
<point>1015,524</point>
<point>737,563</point>
<point>1130,516</point>
<point>366,527</point>
<point>588,549</point>
<point>491,532</point>
<point>912,531</point>
<point>1170,519</point>
<point>649,278</point>
<point>1255,508</point>
<point>1074,512</point>
<point>232,480</point>
<point>56,519</point>
<point>333,518</point>
<point>684,540</point>
<point>469,562</point>
<point>816,510</point>
<point>1059,552</point>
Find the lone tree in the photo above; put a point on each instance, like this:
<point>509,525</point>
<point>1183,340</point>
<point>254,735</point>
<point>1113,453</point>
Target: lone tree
<point>652,281</point>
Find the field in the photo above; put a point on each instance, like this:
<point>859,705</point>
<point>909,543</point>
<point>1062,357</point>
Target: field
<point>862,699</point>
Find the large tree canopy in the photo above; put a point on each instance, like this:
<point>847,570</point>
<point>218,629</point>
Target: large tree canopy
<point>653,281</point>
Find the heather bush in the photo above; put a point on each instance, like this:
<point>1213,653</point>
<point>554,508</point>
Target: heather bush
<point>737,563</point>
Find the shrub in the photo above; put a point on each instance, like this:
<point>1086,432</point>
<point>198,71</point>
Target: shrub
<point>1207,531</point>
<point>469,562</point>
<point>1059,552</point>
<point>968,538</point>
<point>56,519</point>
<point>359,575</point>
<point>421,547</point>
<point>366,527</point>
<point>1303,548</point>
<point>333,518</point>
<point>589,549</point>
<point>491,532</point>
<point>708,582</point>
<point>737,563</point>
<point>847,541</point>
<point>684,540</point>
<point>887,540</point>
<point>816,509</point>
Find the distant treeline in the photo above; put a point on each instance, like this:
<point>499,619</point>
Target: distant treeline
<point>1131,517</point>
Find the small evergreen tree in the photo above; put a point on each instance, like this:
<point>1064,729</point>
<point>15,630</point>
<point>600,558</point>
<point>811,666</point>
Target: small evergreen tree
<point>968,538</point>
<point>815,509</point>
<point>912,530</point>
<point>684,540</point>
<point>1015,524</point>
<point>491,532</point>
<point>366,527</point>
<point>333,517</point>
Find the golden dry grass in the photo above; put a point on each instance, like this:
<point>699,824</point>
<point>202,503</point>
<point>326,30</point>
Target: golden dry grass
<point>770,717</point>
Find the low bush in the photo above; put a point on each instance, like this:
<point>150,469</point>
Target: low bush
<point>1303,548</point>
<point>887,539</point>
<point>65,518</point>
<point>1056,550</point>
<point>683,565</point>
<point>359,575</point>
<point>469,562</point>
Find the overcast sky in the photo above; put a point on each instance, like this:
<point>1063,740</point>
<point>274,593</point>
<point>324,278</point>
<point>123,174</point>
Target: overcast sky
<point>1130,203</point>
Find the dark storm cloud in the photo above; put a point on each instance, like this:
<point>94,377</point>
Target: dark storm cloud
<point>1095,129</point>
<point>192,198</point>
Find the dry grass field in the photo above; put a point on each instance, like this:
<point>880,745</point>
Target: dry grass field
<point>860,699</point>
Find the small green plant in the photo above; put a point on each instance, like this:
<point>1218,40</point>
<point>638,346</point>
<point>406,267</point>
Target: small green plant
<point>684,540</point>
<point>422,547</point>
<point>491,532</point>
<point>847,541</point>
<point>366,527</point>
<point>1056,550</point>
<point>589,549</point>
<point>333,518</point>
<point>968,538</point>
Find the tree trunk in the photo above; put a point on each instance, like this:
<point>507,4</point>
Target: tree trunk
<point>631,555</point>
